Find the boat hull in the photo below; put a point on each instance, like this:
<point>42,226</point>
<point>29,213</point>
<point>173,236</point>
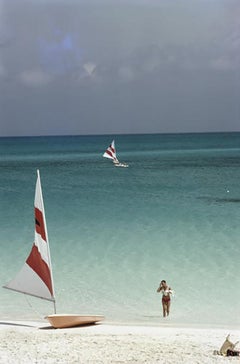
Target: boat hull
<point>123,165</point>
<point>60,321</point>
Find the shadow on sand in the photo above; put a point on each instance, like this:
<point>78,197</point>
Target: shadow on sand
<point>7,323</point>
<point>68,328</point>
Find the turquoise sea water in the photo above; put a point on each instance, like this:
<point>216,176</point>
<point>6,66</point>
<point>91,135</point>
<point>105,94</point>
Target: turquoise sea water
<point>116,232</point>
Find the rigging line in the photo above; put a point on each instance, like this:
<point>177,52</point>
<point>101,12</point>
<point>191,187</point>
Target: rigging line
<point>33,309</point>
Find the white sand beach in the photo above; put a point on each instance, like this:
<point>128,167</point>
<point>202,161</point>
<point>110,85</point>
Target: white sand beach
<point>36,342</point>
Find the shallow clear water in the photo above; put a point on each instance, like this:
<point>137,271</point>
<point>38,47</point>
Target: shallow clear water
<point>116,232</point>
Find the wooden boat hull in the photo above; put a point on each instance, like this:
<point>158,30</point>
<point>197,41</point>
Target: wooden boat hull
<point>67,320</point>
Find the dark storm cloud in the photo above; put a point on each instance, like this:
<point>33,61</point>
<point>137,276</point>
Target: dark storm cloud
<point>107,67</point>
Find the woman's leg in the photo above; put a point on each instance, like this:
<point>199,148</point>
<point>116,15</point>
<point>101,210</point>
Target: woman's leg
<point>164,306</point>
<point>168,307</point>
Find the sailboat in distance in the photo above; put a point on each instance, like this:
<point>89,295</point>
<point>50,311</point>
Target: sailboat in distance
<point>111,154</point>
<point>36,279</point>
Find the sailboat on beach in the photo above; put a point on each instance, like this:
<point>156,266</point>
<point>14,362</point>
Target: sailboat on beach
<point>36,279</point>
<point>111,154</point>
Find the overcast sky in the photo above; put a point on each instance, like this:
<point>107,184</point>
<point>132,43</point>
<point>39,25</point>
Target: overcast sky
<point>119,66</point>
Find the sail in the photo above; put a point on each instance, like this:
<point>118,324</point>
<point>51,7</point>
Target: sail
<point>35,277</point>
<point>111,152</point>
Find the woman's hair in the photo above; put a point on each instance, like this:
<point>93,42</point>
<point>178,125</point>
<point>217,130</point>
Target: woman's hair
<point>163,281</point>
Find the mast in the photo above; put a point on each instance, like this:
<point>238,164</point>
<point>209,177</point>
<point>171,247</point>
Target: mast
<point>46,232</point>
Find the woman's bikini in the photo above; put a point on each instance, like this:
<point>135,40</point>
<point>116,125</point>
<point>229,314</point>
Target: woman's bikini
<point>166,295</point>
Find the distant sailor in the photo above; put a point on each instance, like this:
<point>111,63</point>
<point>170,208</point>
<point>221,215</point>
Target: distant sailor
<point>166,297</point>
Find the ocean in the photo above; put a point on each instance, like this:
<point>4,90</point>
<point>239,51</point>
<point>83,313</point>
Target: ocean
<point>115,233</point>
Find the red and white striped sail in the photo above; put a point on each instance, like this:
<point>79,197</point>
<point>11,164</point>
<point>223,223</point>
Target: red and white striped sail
<point>111,152</point>
<point>35,277</point>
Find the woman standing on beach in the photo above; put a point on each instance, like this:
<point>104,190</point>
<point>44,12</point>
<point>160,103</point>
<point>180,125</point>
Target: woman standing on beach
<point>166,297</point>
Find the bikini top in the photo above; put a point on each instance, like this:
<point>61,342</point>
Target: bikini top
<point>167,291</point>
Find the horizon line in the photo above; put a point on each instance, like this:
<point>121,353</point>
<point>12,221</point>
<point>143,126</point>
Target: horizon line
<point>120,134</point>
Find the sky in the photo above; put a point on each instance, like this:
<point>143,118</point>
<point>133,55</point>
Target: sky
<point>119,66</point>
